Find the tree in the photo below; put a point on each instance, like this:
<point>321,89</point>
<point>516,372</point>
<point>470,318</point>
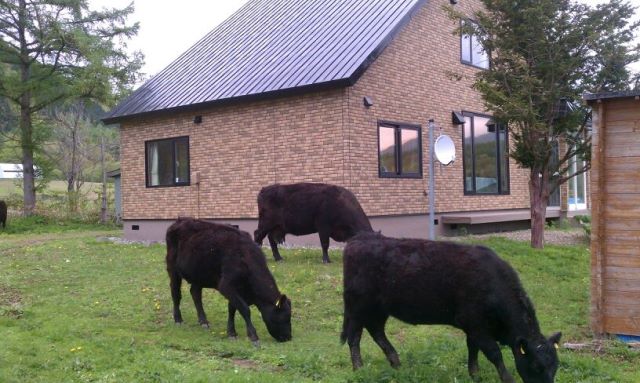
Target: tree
<point>54,50</point>
<point>543,55</point>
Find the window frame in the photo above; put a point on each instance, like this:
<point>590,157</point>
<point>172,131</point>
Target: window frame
<point>174,140</point>
<point>473,158</point>
<point>471,53</point>
<point>398,126</point>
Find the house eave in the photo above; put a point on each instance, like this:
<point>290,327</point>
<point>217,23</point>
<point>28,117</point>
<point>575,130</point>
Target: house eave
<point>336,84</point>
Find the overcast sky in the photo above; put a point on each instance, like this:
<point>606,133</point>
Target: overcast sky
<point>168,28</point>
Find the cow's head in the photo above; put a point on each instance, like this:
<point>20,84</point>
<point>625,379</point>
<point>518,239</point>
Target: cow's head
<point>277,317</point>
<point>537,359</point>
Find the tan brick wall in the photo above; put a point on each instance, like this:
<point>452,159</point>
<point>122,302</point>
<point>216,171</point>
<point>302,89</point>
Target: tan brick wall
<point>237,150</point>
<point>409,83</point>
<point>326,136</point>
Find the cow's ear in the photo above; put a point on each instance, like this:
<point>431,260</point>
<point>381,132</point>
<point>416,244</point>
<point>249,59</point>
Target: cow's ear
<point>521,346</point>
<point>282,301</point>
<point>555,339</point>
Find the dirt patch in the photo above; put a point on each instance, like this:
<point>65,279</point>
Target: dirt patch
<point>245,363</point>
<point>10,302</point>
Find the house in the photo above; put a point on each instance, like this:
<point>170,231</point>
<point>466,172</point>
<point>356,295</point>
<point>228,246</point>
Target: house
<point>335,91</point>
<point>10,171</point>
<point>615,225</point>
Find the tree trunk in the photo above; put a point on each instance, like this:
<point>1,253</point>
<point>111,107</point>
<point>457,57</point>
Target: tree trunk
<point>538,198</point>
<point>27,145</point>
<point>103,209</point>
<point>26,127</point>
<point>73,194</point>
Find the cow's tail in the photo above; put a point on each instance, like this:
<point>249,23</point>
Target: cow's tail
<point>343,334</point>
<point>172,245</point>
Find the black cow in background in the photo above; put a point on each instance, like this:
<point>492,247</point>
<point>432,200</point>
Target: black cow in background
<point>427,282</point>
<point>3,214</point>
<point>226,259</point>
<point>306,208</point>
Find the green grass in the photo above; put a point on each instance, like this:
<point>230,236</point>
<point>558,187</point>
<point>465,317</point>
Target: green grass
<point>90,189</point>
<point>39,224</point>
<point>73,309</point>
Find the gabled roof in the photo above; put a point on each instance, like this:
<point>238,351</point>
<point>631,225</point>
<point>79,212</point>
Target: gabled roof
<point>271,47</point>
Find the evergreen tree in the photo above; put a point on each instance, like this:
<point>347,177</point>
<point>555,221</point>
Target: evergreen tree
<point>55,50</point>
<point>544,54</point>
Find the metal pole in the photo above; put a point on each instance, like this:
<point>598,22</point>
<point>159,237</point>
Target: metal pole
<point>432,235</point>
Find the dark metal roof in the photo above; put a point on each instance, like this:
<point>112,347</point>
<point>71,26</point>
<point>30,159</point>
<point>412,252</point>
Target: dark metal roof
<point>271,47</point>
<point>607,95</point>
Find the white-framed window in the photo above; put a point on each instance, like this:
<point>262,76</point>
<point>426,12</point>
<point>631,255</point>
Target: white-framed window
<point>471,51</point>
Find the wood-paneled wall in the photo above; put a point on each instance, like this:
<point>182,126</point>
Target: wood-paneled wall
<point>615,236</point>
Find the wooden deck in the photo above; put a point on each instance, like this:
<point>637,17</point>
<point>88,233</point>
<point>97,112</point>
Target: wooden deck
<point>480,217</point>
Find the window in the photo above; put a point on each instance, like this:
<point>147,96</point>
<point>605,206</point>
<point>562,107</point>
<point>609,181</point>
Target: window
<point>167,162</point>
<point>577,185</point>
<point>399,150</point>
<point>471,51</point>
<point>485,156</point>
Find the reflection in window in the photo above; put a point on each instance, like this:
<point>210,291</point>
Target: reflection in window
<point>472,52</point>
<point>167,162</point>
<point>399,151</point>
<point>387,150</point>
<point>485,156</point>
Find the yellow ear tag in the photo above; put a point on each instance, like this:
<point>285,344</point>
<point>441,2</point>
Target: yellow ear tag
<point>278,302</point>
<point>556,346</point>
<point>522,350</point>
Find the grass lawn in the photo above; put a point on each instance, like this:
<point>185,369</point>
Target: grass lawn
<point>91,189</point>
<point>73,309</point>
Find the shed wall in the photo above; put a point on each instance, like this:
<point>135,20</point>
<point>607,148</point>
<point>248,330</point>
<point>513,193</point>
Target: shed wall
<point>615,237</point>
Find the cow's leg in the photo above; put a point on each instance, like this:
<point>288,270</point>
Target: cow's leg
<point>324,242</point>
<point>274,248</point>
<point>491,350</point>
<point>376,329</point>
<point>473,357</point>
<point>175,283</point>
<point>353,333</point>
<point>229,292</point>
<point>231,322</point>
<point>196,294</point>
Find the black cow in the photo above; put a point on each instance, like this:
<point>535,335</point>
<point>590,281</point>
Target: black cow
<point>226,259</point>
<point>3,214</point>
<point>306,208</point>
<point>427,282</point>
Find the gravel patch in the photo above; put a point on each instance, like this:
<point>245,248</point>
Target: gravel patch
<point>569,237</point>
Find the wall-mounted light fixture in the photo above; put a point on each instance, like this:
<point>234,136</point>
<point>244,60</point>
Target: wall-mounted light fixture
<point>197,119</point>
<point>457,118</point>
<point>368,101</point>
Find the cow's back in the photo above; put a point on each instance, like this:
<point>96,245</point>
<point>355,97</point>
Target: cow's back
<point>427,282</point>
<point>300,208</point>
<point>197,250</point>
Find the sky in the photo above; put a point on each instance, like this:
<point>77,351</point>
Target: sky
<point>169,28</point>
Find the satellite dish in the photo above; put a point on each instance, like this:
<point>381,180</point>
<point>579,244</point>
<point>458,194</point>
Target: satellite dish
<point>444,150</point>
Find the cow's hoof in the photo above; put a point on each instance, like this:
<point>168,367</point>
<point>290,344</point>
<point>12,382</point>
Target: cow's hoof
<point>279,260</point>
<point>204,325</point>
<point>256,343</point>
<point>178,323</point>
<point>232,337</point>
<point>326,261</point>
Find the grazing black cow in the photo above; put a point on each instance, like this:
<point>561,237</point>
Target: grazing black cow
<point>3,214</point>
<point>226,259</point>
<point>306,208</point>
<point>427,282</point>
